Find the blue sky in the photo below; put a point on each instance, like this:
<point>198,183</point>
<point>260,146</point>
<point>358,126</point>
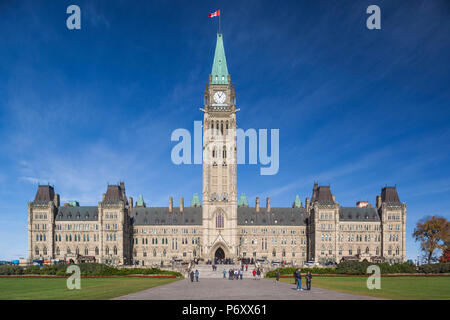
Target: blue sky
<point>356,109</point>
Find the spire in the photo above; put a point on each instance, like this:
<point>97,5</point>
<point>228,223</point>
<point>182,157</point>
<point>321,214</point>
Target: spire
<point>243,201</point>
<point>297,202</point>
<point>140,202</point>
<point>195,202</point>
<point>219,71</point>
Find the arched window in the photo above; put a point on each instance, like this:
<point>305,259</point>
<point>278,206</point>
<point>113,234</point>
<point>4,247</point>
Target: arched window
<point>274,252</point>
<point>219,221</point>
<point>390,251</point>
<point>358,251</point>
<point>195,253</point>
<point>224,152</point>
<point>377,251</point>
<point>107,250</point>
<point>45,251</point>
<point>115,250</point>
<point>58,252</point>
<point>68,250</point>
<point>86,251</point>
<point>284,253</point>
<point>397,251</point>
<point>77,251</point>
<point>367,249</point>
<point>36,251</point>
<point>134,253</point>
<point>154,252</point>
<point>96,251</point>
<point>164,252</point>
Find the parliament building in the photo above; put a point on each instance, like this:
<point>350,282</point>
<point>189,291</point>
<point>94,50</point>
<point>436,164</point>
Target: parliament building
<point>219,225</point>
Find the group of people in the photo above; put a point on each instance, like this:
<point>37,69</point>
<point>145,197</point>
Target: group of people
<point>233,274</point>
<point>257,273</point>
<point>298,279</point>
<point>193,274</point>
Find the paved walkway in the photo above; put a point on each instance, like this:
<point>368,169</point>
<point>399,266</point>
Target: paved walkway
<point>247,289</point>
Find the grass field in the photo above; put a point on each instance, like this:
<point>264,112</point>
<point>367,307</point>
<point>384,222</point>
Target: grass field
<point>421,288</point>
<point>91,288</point>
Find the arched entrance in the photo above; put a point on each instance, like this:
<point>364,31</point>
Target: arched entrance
<point>219,254</point>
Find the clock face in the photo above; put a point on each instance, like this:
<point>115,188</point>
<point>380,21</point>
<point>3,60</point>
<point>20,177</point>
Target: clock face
<point>219,97</point>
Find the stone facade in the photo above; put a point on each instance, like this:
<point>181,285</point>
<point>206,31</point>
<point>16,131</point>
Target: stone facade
<point>118,232</point>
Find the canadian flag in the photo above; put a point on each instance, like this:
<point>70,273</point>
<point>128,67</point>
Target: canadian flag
<point>214,14</point>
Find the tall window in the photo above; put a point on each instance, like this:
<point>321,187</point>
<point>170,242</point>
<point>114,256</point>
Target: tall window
<point>96,251</point>
<point>219,221</point>
<point>57,251</point>
<point>115,250</point>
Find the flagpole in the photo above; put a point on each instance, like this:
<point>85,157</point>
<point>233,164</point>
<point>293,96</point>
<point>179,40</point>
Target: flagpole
<point>219,20</point>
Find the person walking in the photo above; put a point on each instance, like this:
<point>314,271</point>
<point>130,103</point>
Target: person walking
<point>192,276</point>
<point>246,267</point>
<point>236,274</point>
<point>277,275</point>
<point>258,273</point>
<point>224,273</point>
<point>299,280</point>
<point>254,274</point>
<point>308,280</point>
<point>241,273</point>
<point>196,275</point>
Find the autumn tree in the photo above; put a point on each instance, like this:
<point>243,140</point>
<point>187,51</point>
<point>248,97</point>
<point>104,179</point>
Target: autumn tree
<point>433,233</point>
<point>445,258</point>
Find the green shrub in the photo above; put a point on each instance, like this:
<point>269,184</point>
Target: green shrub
<point>86,269</point>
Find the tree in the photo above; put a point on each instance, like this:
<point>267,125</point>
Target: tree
<point>445,258</point>
<point>433,233</point>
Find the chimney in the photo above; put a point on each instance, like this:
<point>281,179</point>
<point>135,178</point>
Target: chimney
<point>333,197</point>
<point>181,204</point>
<point>307,204</point>
<point>170,204</point>
<point>268,204</point>
<point>378,202</point>
<point>56,200</point>
<point>130,201</point>
<point>257,204</point>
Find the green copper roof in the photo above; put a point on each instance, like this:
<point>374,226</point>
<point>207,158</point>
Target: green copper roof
<point>219,69</point>
<point>73,203</point>
<point>140,202</point>
<point>195,202</point>
<point>297,202</point>
<point>243,201</point>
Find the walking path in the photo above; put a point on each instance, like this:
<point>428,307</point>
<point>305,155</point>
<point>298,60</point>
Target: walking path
<point>246,289</point>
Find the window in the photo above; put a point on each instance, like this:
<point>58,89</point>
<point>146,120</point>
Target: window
<point>219,221</point>
<point>57,251</point>
<point>86,251</point>
<point>96,251</point>
<point>36,251</point>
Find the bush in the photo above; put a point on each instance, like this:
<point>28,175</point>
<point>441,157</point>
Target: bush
<point>360,268</point>
<point>86,269</point>
<point>435,268</point>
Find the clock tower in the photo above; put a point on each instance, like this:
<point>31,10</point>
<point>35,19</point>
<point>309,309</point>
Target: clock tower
<point>219,162</point>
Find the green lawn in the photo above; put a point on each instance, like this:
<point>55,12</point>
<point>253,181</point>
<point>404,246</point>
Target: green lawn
<point>91,288</point>
<point>420,288</point>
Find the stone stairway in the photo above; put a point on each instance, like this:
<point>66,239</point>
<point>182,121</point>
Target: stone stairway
<point>206,272</point>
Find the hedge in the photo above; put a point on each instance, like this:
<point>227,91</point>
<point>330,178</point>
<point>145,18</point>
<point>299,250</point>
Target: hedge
<point>86,269</point>
<point>360,268</point>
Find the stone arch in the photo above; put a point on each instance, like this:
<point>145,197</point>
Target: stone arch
<point>222,246</point>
